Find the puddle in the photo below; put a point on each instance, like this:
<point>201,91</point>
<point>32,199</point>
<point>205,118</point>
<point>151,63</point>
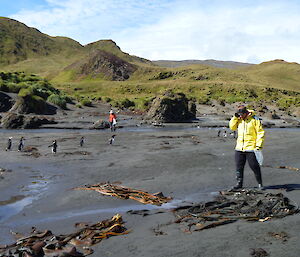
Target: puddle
<point>9,210</point>
<point>17,203</point>
<point>13,199</point>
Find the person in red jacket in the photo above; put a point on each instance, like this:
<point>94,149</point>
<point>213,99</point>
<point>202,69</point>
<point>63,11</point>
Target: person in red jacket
<point>112,120</point>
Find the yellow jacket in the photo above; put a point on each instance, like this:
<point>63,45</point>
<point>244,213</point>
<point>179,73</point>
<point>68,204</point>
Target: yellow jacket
<point>250,132</point>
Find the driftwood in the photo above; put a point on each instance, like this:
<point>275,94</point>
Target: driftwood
<point>45,243</point>
<point>127,193</point>
<point>228,207</point>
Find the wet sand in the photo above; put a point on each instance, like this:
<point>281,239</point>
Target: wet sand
<point>190,165</point>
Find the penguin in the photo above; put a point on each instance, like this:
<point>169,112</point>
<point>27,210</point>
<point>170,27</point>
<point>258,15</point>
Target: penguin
<point>225,133</point>
<point>219,132</point>
<point>81,141</point>
<point>54,146</point>
<point>112,139</point>
<point>9,144</point>
<point>21,144</point>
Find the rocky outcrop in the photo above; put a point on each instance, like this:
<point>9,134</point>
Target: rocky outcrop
<point>101,63</point>
<point>32,104</point>
<point>100,124</point>
<point>6,102</point>
<point>172,107</point>
<point>19,121</point>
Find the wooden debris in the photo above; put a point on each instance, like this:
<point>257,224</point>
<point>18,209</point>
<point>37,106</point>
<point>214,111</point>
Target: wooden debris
<point>127,193</point>
<point>45,243</point>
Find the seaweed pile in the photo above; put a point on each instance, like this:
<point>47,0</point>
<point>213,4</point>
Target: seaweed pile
<point>128,193</point>
<point>43,244</point>
<point>228,207</point>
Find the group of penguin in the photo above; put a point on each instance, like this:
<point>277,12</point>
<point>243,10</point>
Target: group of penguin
<point>53,145</point>
<point>225,134</point>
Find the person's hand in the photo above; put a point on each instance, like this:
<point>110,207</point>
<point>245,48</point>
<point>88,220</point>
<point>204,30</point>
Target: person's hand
<point>258,148</point>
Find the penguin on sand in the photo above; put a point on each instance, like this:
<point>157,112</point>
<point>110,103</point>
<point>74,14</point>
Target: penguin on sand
<point>81,141</point>
<point>9,144</point>
<point>21,144</point>
<point>54,146</point>
<point>112,139</point>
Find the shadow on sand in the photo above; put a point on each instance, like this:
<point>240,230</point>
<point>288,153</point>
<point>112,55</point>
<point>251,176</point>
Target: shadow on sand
<point>287,187</point>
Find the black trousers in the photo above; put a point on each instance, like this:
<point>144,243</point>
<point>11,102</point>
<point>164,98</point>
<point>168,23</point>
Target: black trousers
<point>240,161</point>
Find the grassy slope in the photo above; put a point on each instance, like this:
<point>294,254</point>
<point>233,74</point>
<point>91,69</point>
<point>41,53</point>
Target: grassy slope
<point>204,83</point>
<point>52,55</point>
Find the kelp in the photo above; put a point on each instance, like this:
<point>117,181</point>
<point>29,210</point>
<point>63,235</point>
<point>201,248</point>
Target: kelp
<point>43,244</point>
<point>228,207</point>
<point>127,193</point>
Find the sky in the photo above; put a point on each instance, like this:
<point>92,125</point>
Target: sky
<point>230,30</point>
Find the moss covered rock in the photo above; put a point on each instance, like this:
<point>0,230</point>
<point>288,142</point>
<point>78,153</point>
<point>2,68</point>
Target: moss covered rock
<point>172,107</point>
<point>32,104</point>
<point>20,121</point>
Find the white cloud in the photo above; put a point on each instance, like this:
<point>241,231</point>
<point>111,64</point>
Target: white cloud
<point>252,34</point>
<point>168,29</point>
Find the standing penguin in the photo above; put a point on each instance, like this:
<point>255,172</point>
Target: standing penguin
<point>21,144</point>
<point>9,144</point>
<point>112,139</point>
<point>54,146</point>
<point>81,141</point>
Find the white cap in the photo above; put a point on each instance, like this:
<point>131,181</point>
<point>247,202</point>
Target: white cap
<point>111,111</point>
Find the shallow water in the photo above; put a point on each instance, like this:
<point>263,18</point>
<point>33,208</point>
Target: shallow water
<point>17,203</point>
<point>169,127</point>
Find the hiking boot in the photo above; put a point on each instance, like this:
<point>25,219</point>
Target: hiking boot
<point>260,187</point>
<point>239,178</point>
<point>236,187</point>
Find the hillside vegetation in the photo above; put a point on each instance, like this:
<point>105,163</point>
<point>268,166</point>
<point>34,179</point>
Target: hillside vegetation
<point>32,87</point>
<point>100,70</point>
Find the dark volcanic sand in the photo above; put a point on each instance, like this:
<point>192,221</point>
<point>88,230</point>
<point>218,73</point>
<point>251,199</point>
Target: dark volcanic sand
<point>190,165</point>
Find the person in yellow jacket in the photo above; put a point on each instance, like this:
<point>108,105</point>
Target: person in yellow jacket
<point>250,138</point>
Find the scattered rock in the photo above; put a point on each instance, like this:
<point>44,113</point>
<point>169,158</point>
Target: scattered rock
<point>283,236</point>
<point>100,124</point>
<point>268,124</point>
<point>258,252</point>
<point>273,115</point>
<point>172,107</point>
<point>16,121</point>
<point>31,151</point>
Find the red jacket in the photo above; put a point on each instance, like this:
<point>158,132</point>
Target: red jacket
<point>112,116</point>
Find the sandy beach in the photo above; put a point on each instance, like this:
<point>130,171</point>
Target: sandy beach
<point>187,162</point>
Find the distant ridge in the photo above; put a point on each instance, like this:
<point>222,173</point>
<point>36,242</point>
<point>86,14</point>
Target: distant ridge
<point>210,62</point>
<point>27,49</point>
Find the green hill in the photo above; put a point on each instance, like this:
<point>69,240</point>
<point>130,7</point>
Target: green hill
<point>102,70</point>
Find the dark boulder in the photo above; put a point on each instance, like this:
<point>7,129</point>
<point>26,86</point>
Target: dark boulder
<point>172,107</point>
<point>19,121</point>
<point>6,102</point>
<point>32,104</point>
